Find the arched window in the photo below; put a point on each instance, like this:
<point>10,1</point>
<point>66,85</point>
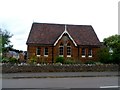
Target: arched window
<point>61,50</point>
<point>68,50</point>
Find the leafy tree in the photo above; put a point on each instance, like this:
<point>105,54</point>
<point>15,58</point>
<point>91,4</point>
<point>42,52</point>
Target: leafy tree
<point>116,54</point>
<point>112,41</point>
<point>0,45</point>
<point>5,39</point>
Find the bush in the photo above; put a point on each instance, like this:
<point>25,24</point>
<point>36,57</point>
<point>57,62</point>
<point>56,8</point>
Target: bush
<point>116,55</point>
<point>104,56</point>
<point>69,61</point>
<point>13,60</point>
<point>60,60</point>
<point>90,62</point>
<point>33,60</point>
<point>5,60</point>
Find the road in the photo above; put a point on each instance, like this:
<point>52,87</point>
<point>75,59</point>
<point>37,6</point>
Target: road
<point>60,83</point>
<point>58,74</point>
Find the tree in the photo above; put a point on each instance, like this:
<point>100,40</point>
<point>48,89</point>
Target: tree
<point>0,44</point>
<point>112,41</point>
<point>116,54</point>
<point>5,40</point>
<point>104,55</point>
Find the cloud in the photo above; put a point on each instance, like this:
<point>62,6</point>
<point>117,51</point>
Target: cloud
<point>17,16</point>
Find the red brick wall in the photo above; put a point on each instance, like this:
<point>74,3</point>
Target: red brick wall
<point>74,53</point>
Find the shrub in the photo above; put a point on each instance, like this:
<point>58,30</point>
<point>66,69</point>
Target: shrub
<point>60,60</point>
<point>13,60</point>
<point>104,56</point>
<point>69,61</point>
<point>116,55</point>
<point>33,60</point>
<point>90,62</point>
<point>5,60</point>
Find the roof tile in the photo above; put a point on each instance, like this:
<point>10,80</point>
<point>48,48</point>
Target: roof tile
<point>44,33</point>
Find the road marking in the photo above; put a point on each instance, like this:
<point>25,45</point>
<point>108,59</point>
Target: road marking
<point>109,86</point>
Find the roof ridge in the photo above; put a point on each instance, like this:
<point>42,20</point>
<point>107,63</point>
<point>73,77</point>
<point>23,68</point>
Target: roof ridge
<point>49,33</point>
<point>61,24</point>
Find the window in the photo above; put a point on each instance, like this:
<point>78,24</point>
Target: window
<point>38,50</point>
<point>83,52</point>
<point>68,50</point>
<point>61,50</point>
<point>89,52</point>
<point>46,52</point>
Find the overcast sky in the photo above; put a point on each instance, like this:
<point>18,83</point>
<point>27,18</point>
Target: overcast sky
<point>17,16</point>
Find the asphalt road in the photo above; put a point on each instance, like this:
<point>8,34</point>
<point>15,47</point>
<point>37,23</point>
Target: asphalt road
<point>60,83</point>
<point>58,74</point>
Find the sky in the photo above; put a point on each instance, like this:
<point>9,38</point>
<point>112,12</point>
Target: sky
<point>17,16</point>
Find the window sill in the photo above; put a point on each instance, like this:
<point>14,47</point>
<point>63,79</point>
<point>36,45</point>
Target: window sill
<point>38,55</point>
<point>68,55</point>
<point>90,56</point>
<point>60,55</point>
<point>46,55</point>
<point>83,56</point>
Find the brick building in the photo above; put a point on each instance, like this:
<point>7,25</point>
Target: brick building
<point>48,41</point>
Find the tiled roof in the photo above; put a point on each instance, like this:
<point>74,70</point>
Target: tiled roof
<point>83,34</point>
<point>44,33</point>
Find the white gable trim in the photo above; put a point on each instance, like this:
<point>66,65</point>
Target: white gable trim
<point>65,32</point>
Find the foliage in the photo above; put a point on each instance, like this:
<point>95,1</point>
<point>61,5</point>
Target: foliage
<point>69,61</point>
<point>60,60</point>
<point>5,60</point>
<point>112,41</point>
<point>104,55</point>
<point>90,62</point>
<point>33,60</point>
<point>0,45</point>
<point>116,54</point>
<point>13,60</point>
<point>5,39</point>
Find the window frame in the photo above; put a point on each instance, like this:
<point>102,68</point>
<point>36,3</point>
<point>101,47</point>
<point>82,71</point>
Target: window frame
<point>61,47</point>
<point>69,50</point>
<point>46,48</point>
<point>90,52</point>
<point>83,55</point>
<point>38,51</point>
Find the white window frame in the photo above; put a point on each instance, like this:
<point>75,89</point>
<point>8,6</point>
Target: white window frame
<point>70,51</point>
<point>59,50</point>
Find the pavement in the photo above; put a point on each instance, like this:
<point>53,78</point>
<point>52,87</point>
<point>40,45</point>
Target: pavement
<point>58,74</point>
